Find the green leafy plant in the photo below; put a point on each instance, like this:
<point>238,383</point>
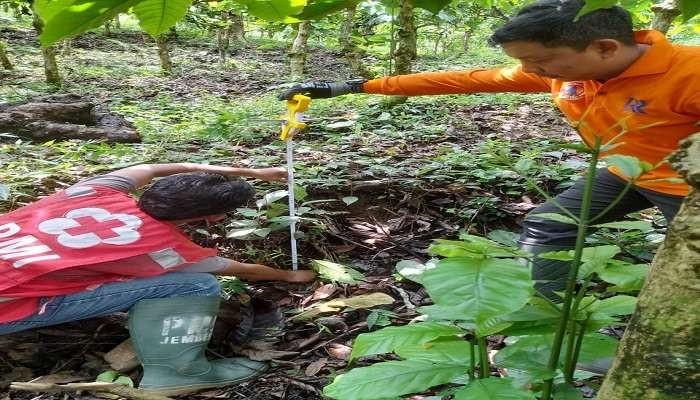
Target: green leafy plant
<point>480,287</point>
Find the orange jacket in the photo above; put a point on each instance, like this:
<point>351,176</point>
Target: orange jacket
<point>662,88</point>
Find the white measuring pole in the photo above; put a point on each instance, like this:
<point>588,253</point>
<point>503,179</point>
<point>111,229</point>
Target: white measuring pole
<point>290,196</point>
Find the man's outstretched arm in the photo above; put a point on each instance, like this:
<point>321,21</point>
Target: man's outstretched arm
<point>259,272</point>
<point>496,80</point>
<point>143,174</point>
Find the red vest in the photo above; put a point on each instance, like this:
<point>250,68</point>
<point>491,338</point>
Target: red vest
<point>66,242</point>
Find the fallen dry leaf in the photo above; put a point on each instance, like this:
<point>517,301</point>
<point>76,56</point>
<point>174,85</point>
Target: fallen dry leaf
<point>363,301</point>
<point>339,351</point>
<point>315,367</point>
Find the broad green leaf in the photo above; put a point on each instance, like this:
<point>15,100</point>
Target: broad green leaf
<point>505,238</point>
<point>477,286</point>
<point>445,350</point>
<point>336,272</point>
<point>523,165</point>
<point>157,16</point>
<point>241,233</point>
<point>595,347</point>
<point>319,8</point>
<point>628,166</point>
<point>625,277</point>
<point>300,193</point>
<point>391,379</point>
<point>627,225</point>
<point>389,339</point>
<point>275,10</point>
<point>536,310</point>
<point>565,391</point>
<point>413,270</point>
<point>472,246</point>
<point>107,376</point>
<point>592,5</point>
<point>493,389</point>
<point>124,380</point>
<point>564,219</point>
<point>350,199</point>
<point>529,354</point>
<point>78,17</point>
<point>561,255</point>
<point>47,9</point>
<point>362,301</point>
<point>689,8</point>
<point>262,232</point>
<point>595,259</point>
<point>617,305</point>
<point>271,198</point>
<point>434,6</point>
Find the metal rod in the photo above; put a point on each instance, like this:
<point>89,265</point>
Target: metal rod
<point>292,205</point>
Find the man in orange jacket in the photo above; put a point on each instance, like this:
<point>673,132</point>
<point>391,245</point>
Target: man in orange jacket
<point>599,72</point>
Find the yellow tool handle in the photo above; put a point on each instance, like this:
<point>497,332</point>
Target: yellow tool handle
<point>295,107</point>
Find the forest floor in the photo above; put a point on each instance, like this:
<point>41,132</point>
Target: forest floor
<point>380,183</point>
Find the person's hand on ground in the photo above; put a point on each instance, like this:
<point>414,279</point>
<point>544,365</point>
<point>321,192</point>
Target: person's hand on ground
<point>274,174</point>
<point>300,276</point>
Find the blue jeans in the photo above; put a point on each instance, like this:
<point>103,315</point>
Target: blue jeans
<point>113,297</point>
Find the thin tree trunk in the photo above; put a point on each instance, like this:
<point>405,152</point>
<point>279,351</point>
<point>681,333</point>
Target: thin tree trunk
<point>237,29</point>
<point>664,14</point>
<point>108,29</point>
<point>49,55</point>
<point>351,52</point>
<point>406,51</point>
<point>465,39</point>
<point>165,63</point>
<point>298,52</point>
<point>67,47</point>
<point>117,22</point>
<point>4,59</point>
<point>658,356</point>
<point>223,36</point>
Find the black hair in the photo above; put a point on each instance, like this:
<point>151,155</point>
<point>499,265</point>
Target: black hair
<point>551,23</point>
<point>194,195</point>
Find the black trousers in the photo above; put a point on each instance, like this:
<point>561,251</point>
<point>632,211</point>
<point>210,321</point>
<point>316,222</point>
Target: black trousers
<point>541,235</point>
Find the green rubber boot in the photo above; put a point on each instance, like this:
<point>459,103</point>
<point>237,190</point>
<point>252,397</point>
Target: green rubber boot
<point>170,336</point>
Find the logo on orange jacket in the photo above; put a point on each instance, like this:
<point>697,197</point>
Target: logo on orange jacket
<point>572,91</point>
<point>635,106</point>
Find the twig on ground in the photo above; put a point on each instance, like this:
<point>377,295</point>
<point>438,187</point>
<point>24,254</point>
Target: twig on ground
<point>355,328</point>
<point>404,297</point>
<point>104,387</point>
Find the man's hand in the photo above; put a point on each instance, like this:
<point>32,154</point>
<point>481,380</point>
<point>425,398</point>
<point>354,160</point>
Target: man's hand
<point>322,90</point>
<point>277,174</point>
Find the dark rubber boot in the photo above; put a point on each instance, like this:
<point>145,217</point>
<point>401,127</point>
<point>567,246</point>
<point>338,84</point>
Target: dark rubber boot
<point>170,336</point>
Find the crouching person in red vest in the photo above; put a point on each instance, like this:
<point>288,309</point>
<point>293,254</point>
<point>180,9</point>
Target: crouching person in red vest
<point>92,250</point>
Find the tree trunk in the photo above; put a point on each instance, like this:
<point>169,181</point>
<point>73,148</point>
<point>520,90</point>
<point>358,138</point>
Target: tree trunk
<point>465,39</point>
<point>108,29</point>
<point>67,47</point>
<point>165,63</point>
<point>4,59</point>
<point>658,356</point>
<point>49,55</point>
<point>406,51</point>
<point>237,30</point>
<point>351,52</point>
<point>223,38</point>
<point>298,52</point>
<point>117,22</point>
<point>664,14</point>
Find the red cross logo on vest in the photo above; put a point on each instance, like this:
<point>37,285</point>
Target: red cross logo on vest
<point>87,227</point>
